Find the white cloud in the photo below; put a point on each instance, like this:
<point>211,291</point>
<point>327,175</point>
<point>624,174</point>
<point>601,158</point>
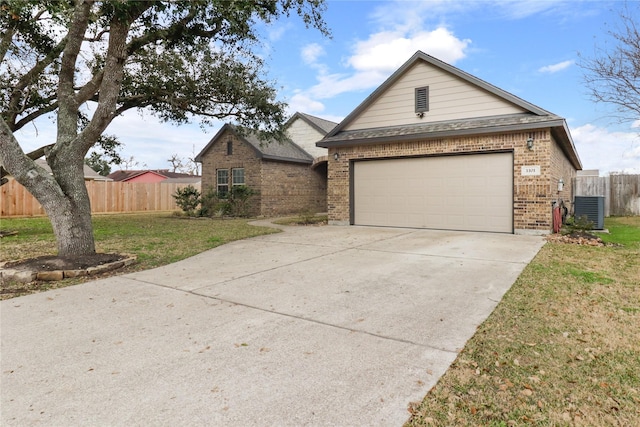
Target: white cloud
<point>554,68</point>
<point>311,52</point>
<point>377,57</point>
<point>388,50</point>
<point>303,103</point>
<point>608,151</point>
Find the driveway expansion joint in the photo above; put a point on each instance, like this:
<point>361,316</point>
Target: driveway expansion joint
<point>293,316</point>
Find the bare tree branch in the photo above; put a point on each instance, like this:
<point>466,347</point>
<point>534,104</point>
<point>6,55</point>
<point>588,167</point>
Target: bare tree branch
<point>612,75</point>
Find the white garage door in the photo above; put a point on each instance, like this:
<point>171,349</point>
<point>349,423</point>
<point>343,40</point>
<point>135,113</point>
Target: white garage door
<point>463,192</point>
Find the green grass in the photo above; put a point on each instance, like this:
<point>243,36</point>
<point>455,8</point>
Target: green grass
<point>156,239</point>
<point>622,231</point>
<point>303,219</point>
<point>561,349</point>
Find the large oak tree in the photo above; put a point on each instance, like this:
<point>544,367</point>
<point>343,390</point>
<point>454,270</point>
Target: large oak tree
<point>85,62</point>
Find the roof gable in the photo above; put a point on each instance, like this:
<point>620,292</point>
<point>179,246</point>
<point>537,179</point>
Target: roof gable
<point>321,125</point>
<point>305,130</point>
<point>453,95</point>
<point>286,151</point>
<point>475,107</point>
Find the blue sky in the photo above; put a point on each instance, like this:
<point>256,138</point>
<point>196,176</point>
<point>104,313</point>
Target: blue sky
<point>527,47</point>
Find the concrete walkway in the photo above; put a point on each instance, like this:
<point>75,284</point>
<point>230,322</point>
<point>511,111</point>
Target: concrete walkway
<point>314,326</point>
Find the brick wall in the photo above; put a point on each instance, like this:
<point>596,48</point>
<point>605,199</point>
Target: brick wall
<point>283,187</point>
<point>561,169</point>
<point>292,188</point>
<point>243,156</point>
<point>532,194</point>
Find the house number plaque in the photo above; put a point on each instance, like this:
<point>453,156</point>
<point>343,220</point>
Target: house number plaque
<point>530,170</point>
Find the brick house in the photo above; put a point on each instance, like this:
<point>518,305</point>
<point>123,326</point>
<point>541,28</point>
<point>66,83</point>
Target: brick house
<point>289,180</point>
<point>435,147</point>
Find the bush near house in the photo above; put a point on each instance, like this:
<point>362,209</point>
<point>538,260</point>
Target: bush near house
<point>188,199</point>
<point>235,203</point>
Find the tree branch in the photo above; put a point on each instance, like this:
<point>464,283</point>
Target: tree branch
<point>67,105</point>
<point>88,91</point>
<point>34,115</point>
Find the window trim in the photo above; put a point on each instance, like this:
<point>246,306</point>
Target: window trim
<point>218,184</point>
<point>233,183</point>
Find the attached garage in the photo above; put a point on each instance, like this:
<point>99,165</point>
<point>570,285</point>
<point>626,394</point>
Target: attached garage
<point>465,192</point>
<point>435,147</point>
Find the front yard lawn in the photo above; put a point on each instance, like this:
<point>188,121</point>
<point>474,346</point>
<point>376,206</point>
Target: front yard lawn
<point>561,349</point>
<point>156,239</point>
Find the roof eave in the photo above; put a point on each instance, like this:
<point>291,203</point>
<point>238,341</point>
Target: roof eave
<point>440,134</point>
<point>286,159</point>
<point>562,133</point>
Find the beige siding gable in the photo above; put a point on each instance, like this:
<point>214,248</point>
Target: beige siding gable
<point>305,136</point>
<point>450,98</point>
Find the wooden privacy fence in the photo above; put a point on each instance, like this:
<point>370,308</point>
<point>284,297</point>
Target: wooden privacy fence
<point>106,197</point>
<point>621,192</point>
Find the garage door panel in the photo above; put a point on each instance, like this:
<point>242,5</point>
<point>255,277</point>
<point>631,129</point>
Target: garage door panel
<point>465,192</point>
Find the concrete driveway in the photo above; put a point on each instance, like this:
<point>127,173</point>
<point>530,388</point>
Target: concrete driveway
<point>313,326</point>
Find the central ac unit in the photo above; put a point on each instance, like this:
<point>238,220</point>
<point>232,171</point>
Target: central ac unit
<point>592,207</point>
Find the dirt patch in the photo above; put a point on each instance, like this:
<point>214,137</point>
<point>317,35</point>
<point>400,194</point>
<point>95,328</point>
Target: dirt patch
<point>53,263</point>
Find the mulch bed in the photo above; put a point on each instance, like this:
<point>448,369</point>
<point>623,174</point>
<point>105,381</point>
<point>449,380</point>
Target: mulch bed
<point>577,238</point>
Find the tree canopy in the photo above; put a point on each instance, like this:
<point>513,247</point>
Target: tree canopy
<point>84,62</point>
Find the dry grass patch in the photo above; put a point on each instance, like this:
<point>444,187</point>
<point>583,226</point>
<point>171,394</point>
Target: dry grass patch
<point>562,347</point>
<point>156,240</point>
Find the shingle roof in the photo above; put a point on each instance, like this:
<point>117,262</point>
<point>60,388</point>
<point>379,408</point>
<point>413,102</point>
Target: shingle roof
<point>286,151</point>
<point>441,129</point>
<point>274,150</point>
<point>89,173</point>
<point>322,125</point>
<point>125,175</point>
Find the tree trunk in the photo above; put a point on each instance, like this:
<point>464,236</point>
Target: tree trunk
<point>71,221</point>
<point>63,195</point>
<point>71,215</point>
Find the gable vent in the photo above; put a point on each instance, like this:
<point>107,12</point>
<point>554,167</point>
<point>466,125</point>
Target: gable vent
<point>422,99</point>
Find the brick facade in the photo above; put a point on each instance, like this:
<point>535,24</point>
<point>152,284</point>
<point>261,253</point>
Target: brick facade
<point>532,195</point>
<point>283,187</point>
<point>293,188</point>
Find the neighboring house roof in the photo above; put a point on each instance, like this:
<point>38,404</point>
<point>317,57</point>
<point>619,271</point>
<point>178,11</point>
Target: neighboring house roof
<point>194,179</point>
<point>286,151</point>
<point>321,125</point>
<point>89,174</point>
<point>127,175</point>
<point>534,117</point>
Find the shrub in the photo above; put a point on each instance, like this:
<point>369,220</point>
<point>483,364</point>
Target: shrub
<point>235,203</point>
<point>188,199</point>
<point>239,200</point>
<point>580,224</point>
<point>211,204</point>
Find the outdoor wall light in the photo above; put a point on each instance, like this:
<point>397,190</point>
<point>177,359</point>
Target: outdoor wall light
<point>336,156</point>
<point>561,184</point>
<point>530,143</point>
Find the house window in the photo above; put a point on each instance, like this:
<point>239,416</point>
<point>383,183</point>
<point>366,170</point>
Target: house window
<point>229,147</point>
<point>422,99</point>
<point>237,176</point>
<point>222,181</point>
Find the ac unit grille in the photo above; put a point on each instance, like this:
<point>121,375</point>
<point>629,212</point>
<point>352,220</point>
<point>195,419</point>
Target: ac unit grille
<point>592,207</point>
